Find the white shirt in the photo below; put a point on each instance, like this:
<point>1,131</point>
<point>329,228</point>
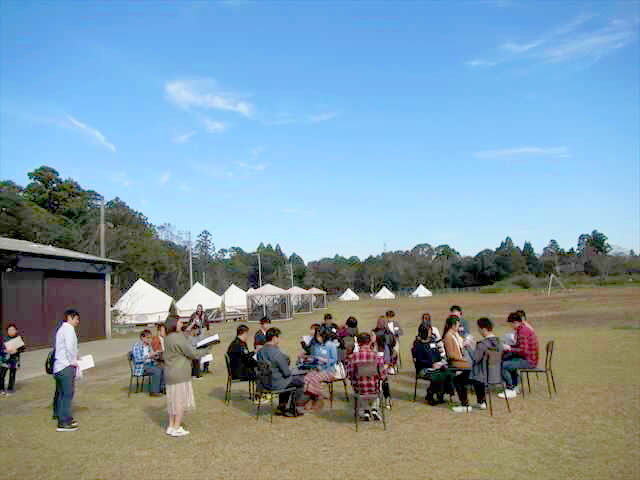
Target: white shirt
<point>66,347</point>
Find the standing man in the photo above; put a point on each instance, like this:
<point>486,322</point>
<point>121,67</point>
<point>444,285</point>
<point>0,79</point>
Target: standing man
<point>64,370</point>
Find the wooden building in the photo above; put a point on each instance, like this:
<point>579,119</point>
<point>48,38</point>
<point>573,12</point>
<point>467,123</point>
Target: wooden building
<point>39,282</point>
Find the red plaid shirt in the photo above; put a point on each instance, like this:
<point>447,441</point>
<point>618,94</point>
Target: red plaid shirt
<point>526,344</point>
<point>365,385</point>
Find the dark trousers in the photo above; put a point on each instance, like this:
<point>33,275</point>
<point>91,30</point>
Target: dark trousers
<point>65,385</point>
<point>298,396</point>
<point>157,377</point>
<point>461,381</point>
<point>12,378</point>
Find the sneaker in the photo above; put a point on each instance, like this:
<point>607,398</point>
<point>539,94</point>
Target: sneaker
<point>365,416</point>
<point>170,431</point>
<point>375,415</point>
<point>180,432</point>
<point>2,393</point>
<point>508,393</point>
<point>66,428</point>
<point>8,393</point>
<point>73,423</point>
<point>481,406</point>
<point>461,409</point>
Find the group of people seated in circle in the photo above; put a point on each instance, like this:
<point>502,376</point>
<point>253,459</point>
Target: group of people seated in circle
<point>455,361</point>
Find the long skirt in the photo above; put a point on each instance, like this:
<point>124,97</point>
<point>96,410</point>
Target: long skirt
<point>180,398</point>
<point>313,382</point>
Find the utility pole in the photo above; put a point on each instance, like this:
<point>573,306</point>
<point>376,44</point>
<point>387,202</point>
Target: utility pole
<point>102,246</point>
<point>204,279</point>
<point>259,270</point>
<point>190,263</point>
<point>291,270</point>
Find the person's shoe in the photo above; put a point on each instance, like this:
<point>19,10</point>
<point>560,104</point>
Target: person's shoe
<point>180,432</point>
<point>508,394</point>
<point>155,394</point>
<point>73,423</point>
<point>66,428</point>
<point>375,415</point>
<point>9,393</point>
<point>365,416</point>
<point>461,409</point>
<point>170,431</point>
<point>481,406</point>
<point>2,393</point>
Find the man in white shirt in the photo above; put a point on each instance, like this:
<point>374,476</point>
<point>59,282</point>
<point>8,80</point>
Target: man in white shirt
<point>64,370</point>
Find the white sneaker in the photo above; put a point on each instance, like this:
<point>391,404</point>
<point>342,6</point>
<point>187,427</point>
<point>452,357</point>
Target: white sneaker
<point>179,432</point>
<point>170,431</point>
<point>481,406</point>
<point>376,415</point>
<point>461,409</point>
<point>508,393</point>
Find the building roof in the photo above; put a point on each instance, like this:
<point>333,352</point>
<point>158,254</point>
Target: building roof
<point>23,246</point>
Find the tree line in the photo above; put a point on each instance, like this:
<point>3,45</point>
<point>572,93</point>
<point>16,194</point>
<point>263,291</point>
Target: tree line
<point>56,211</point>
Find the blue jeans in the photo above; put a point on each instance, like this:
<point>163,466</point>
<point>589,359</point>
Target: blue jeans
<point>157,377</point>
<point>510,371</point>
<point>65,382</point>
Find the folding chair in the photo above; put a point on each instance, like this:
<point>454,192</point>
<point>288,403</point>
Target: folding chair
<point>330,385</point>
<point>137,377</point>
<point>368,370</point>
<point>231,381</point>
<point>547,370</point>
<point>494,356</point>
<point>263,387</point>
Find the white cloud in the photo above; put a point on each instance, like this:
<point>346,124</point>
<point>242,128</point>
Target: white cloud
<point>554,152</point>
<point>323,117</point>
<point>164,178</point>
<point>96,134</point>
<point>255,167</point>
<point>213,126</point>
<point>582,38</point>
<point>184,138</point>
<point>205,95</point>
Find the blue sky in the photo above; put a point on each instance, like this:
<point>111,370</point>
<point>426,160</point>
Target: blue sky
<point>335,127</point>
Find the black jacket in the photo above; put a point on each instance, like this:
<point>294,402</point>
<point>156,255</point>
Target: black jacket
<point>240,360</point>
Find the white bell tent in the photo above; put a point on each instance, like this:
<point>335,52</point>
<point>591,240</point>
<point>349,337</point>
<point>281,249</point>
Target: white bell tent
<point>142,304</point>
<point>269,301</point>
<point>198,294</point>
<point>348,296</point>
<point>421,291</point>
<point>301,300</point>
<point>235,299</point>
<point>319,298</point>
<point>384,294</point>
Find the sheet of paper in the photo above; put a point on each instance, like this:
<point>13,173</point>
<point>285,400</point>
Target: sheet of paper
<point>14,343</point>
<point>208,340</point>
<point>205,359</point>
<point>85,362</point>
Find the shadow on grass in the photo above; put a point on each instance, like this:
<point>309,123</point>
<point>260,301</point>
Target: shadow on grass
<point>239,398</point>
<point>157,415</point>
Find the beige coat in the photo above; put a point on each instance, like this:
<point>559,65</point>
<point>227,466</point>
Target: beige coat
<point>178,353</point>
<point>453,344</point>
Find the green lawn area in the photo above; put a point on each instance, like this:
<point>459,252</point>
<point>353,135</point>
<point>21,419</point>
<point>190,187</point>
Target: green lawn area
<point>591,429</point>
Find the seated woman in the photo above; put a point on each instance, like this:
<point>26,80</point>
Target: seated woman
<point>454,346</point>
<point>385,342</point>
<point>347,338</point>
<point>430,360</point>
<point>308,341</point>
<point>325,354</point>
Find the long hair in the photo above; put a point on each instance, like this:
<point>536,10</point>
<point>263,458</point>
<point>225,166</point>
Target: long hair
<point>449,324</point>
<point>381,323</point>
<point>424,331</point>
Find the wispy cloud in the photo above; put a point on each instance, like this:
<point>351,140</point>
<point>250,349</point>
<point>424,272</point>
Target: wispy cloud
<point>211,169</point>
<point>92,132</point>
<point>322,117</point>
<point>214,126</point>
<point>256,167</point>
<point>184,138</point>
<point>164,178</point>
<point>205,94</point>
<point>585,37</point>
<point>553,152</point>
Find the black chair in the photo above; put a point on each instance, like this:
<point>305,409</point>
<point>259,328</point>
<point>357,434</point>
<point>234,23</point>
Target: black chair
<point>139,386</point>
<point>547,370</point>
<point>263,387</point>
<point>494,356</point>
<point>231,381</point>
<point>368,370</point>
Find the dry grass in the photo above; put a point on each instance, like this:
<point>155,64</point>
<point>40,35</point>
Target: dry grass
<point>589,430</point>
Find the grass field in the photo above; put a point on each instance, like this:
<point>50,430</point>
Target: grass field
<point>591,429</point>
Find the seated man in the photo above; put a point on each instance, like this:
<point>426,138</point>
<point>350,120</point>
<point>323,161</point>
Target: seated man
<point>366,385</point>
<point>261,335</point>
<point>241,361</point>
<point>143,363</point>
<point>524,354</point>
<point>281,376</point>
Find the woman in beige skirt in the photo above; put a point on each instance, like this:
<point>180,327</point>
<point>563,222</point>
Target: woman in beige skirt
<point>178,354</point>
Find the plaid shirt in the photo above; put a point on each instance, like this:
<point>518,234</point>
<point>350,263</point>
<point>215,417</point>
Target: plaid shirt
<point>140,353</point>
<point>526,344</point>
<point>365,385</point>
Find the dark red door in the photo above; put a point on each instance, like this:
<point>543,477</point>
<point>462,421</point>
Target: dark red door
<point>22,304</point>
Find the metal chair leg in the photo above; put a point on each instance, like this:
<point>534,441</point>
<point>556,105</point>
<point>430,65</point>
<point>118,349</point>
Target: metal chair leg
<point>490,403</point>
<point>553,381</point>
<point>384,419</point>
<point>346,394</point>
<point>546,373</point>
<point>227,393</point>
<point>258,411</point>
<point>528,382</point>
<point>504,387</point>
<point>331,394</point>
<point>415,388</point>
<point>130,385</point>
<point>271,404</point>
<point>355,411</point>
